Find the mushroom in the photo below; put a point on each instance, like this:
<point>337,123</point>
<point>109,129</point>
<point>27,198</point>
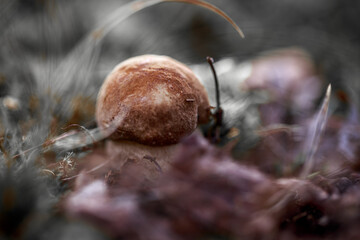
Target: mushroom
<point>158,101</point>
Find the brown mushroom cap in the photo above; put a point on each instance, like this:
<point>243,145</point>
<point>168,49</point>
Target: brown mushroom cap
<point>158,99</point>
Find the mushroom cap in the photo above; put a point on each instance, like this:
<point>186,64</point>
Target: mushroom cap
<point>155,99</point>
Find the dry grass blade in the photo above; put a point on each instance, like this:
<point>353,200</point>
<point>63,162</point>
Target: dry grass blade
<point>278,128</point>
<point>131,8</point>
<point>73,139</point>
<point>81,139</point>
<point>315,132</point>
<point>214,9</point>
<point>84,129</point>
<point>68,141</point>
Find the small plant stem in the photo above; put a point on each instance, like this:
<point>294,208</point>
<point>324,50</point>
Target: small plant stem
<point>218,115</point>
<point>210,60</point>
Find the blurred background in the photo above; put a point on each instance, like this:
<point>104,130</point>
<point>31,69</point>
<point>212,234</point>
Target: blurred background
<point>39,34</point>
<point>327,29</point>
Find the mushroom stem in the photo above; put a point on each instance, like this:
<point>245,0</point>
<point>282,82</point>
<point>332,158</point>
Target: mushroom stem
<point>151,160</point>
